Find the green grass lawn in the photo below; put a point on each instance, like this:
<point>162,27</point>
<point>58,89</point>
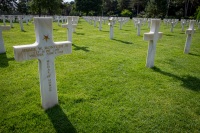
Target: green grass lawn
<point>104,86</point>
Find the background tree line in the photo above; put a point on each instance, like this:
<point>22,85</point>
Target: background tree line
<point>129,8</point>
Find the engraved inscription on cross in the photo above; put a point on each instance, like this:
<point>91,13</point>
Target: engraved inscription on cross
<point>189,33</point>
<point>152,37</point>
<point>2,28</point>
<point>45,50</point>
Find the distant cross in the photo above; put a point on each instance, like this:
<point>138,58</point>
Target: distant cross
<point>45,50</point>
<point>138,27</point>
<point>182,24</point>
<point>111,24</point>
<point>120,22</point>
<point>4,20</point>
<point>21,22</point>
<point>69,26</point>
<point>152,37</point>
<point>11,20</point>
<point>149,23</point>
<point>100,23</point>
<point>3,28</point>
<point>190,31</point>
<point>172,26</point>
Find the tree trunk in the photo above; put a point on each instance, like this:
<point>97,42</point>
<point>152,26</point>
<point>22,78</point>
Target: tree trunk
<point>186,7</point>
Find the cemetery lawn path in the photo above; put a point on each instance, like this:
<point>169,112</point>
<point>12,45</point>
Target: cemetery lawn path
<point>104,86</point>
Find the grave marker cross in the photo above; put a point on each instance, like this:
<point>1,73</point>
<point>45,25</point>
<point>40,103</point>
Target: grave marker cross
<point>2,28</point>
<point>189,33</point>
<point>69,26</point>
<point>152,37</point>
<point>111,24</point>
<point>45,50</point>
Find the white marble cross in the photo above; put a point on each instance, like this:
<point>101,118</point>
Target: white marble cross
<point>172,26</point>
<point>152,37</point>
<point>138,27</point>
<point>111,24</point>
<point>21,22</point>
<point>4,20</point>
<point>149,22</point>
<point>45,50</point>
<point>190,31</point>
<point>11,21</point>
<point>120,22</point>
<point>183,24</point>
<point>100,23</point>
<point>69,26</point>
<point>2,48</point>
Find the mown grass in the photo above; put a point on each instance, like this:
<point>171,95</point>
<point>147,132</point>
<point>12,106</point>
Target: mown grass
<point>104,86</point>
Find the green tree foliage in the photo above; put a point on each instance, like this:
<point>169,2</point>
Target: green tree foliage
<point>8,6</point>
<point>49,7</point>
<point>23,6</point>
<point>182,8</point>
<point>126,13</point>
<point>68,8</point>
<point>110,7</point>
<point>124,4</point>
<point>156,8</point>
<point>138,5</point>
<point>89,6</point>
<point>197,14</point>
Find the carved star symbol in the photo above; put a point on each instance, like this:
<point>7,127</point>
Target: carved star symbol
<point>46,37</point>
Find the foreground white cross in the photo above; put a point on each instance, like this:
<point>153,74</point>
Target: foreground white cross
<point>152,37</point>
<point>2,48</point>
<point>69,26</point>
<point>189,33</point>
<point>45,50</point>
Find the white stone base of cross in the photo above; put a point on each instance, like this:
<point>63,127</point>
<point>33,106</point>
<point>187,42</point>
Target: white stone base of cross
<point>45,50</point>
<point>189,33</point>
<point>152,37</point>
<point>2,28</point>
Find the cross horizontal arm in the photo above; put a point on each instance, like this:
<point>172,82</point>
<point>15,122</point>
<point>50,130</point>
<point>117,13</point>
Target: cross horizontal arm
<point>25,52</point>
<point>151,35</point>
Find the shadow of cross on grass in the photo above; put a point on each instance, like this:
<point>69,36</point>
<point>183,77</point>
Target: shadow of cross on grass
<point>80,48</point>
<point>60,121</point>
<point>4,60</point>
<point>190,82</point>
<point>126,42</point>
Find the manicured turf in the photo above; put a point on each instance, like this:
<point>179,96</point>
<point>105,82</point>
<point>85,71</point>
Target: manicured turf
<point>104,86</point>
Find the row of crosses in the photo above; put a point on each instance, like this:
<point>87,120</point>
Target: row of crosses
<point>45,50</point>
